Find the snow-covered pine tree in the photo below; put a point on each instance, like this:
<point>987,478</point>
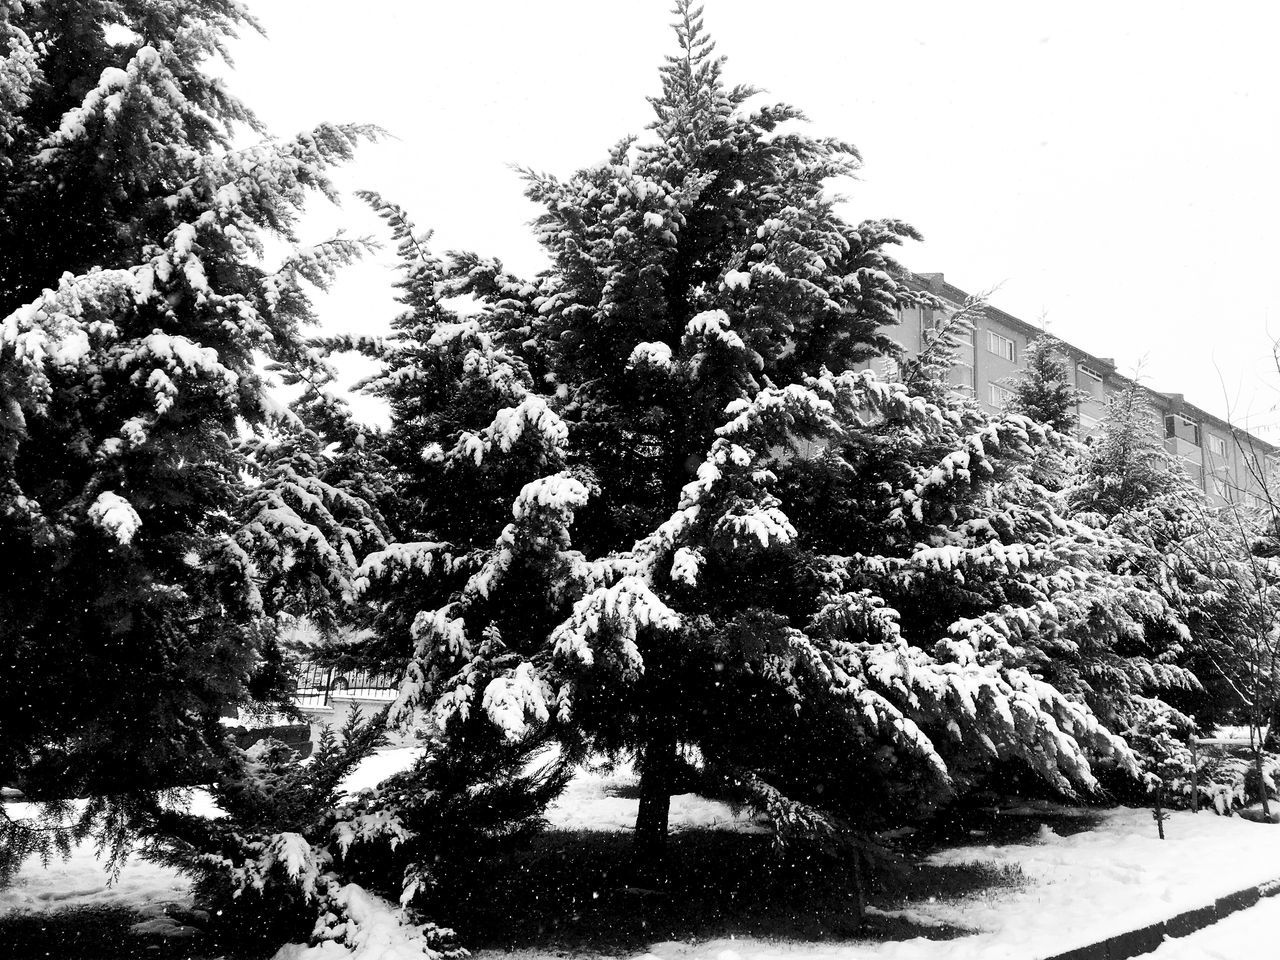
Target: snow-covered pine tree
<point>625,538</point>
<point>471,435</point>
<point>307,517</point>
<point>144,573</point>
<point>1128,468</point>
<point>1227,574</point>
<point>1045,391</point>
<point>1260,529</point>
<point>1196,560</point>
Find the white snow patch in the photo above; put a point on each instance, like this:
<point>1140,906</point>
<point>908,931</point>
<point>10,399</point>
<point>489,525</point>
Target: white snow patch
<point>1077,890</point>
<point>653,353</point>
<point>592,802</point>
<point>510,701</point>
<point>376,931</point>
<point>1239,936</point>
<point>114,514</point>
<point>714,325</point>
<point>163,926</point>
<point>373,769</point>
<point>82,880</point>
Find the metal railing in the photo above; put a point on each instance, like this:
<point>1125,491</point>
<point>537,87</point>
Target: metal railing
<point>318,686</point>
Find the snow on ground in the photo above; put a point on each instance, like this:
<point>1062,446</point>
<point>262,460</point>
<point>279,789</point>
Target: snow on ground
<point>598,798</point>
<point>1077,889</point>
<point>1249,933</point>
<point>378,932</point>
<point>82,881</point>
<point>602,799</point>
<point>590,803</point>
<point>1231,734</point>
<point>1095,884</point>
<point>372,770</point>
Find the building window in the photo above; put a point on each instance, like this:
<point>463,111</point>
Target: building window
<point>1195,430</point>
<point>999,395</point>
<point>1001,346</point>
<point>1092,374</point>
<point>1182,427</point>
<point>1217,446</point>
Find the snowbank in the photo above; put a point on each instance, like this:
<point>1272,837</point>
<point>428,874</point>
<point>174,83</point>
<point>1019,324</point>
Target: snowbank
<point>1098,883</point>
<point>372,770</point>
<point>377,931</point>
<point>82,881</point>
<point>1250,933</point>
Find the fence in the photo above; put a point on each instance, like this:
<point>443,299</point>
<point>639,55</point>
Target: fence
<point>318,685</point>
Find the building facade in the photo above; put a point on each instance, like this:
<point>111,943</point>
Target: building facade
<point>1230,464</point>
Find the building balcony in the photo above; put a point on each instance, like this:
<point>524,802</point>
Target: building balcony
<point>1184,450</point>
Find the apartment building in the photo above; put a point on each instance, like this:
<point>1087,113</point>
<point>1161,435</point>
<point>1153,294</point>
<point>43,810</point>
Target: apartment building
<point>1227,462</point>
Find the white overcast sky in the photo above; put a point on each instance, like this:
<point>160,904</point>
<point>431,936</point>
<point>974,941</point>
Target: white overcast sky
<point>1112,169</point>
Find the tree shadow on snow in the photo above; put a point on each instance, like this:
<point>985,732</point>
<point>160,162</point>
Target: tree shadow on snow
<point>570,891</point>
<point>95,933</point>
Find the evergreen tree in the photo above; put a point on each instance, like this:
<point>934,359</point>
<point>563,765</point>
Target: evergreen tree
<point>1128,470</point>
<point>264,860</point>
<point>617,531</point>
<point>1130,488</point>
<point>1044,391</point>
<point>150,539</point>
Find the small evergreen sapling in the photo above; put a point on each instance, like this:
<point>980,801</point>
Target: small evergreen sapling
<point>271,863</point>
<point>472,799</point>
<point>1045,391</point>
<point>1160,740</point>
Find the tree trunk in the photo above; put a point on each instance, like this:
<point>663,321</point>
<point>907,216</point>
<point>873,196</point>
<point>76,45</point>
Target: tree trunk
<point>657,764</point>
<point>1195,776</point>
<point>1262,784</point>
